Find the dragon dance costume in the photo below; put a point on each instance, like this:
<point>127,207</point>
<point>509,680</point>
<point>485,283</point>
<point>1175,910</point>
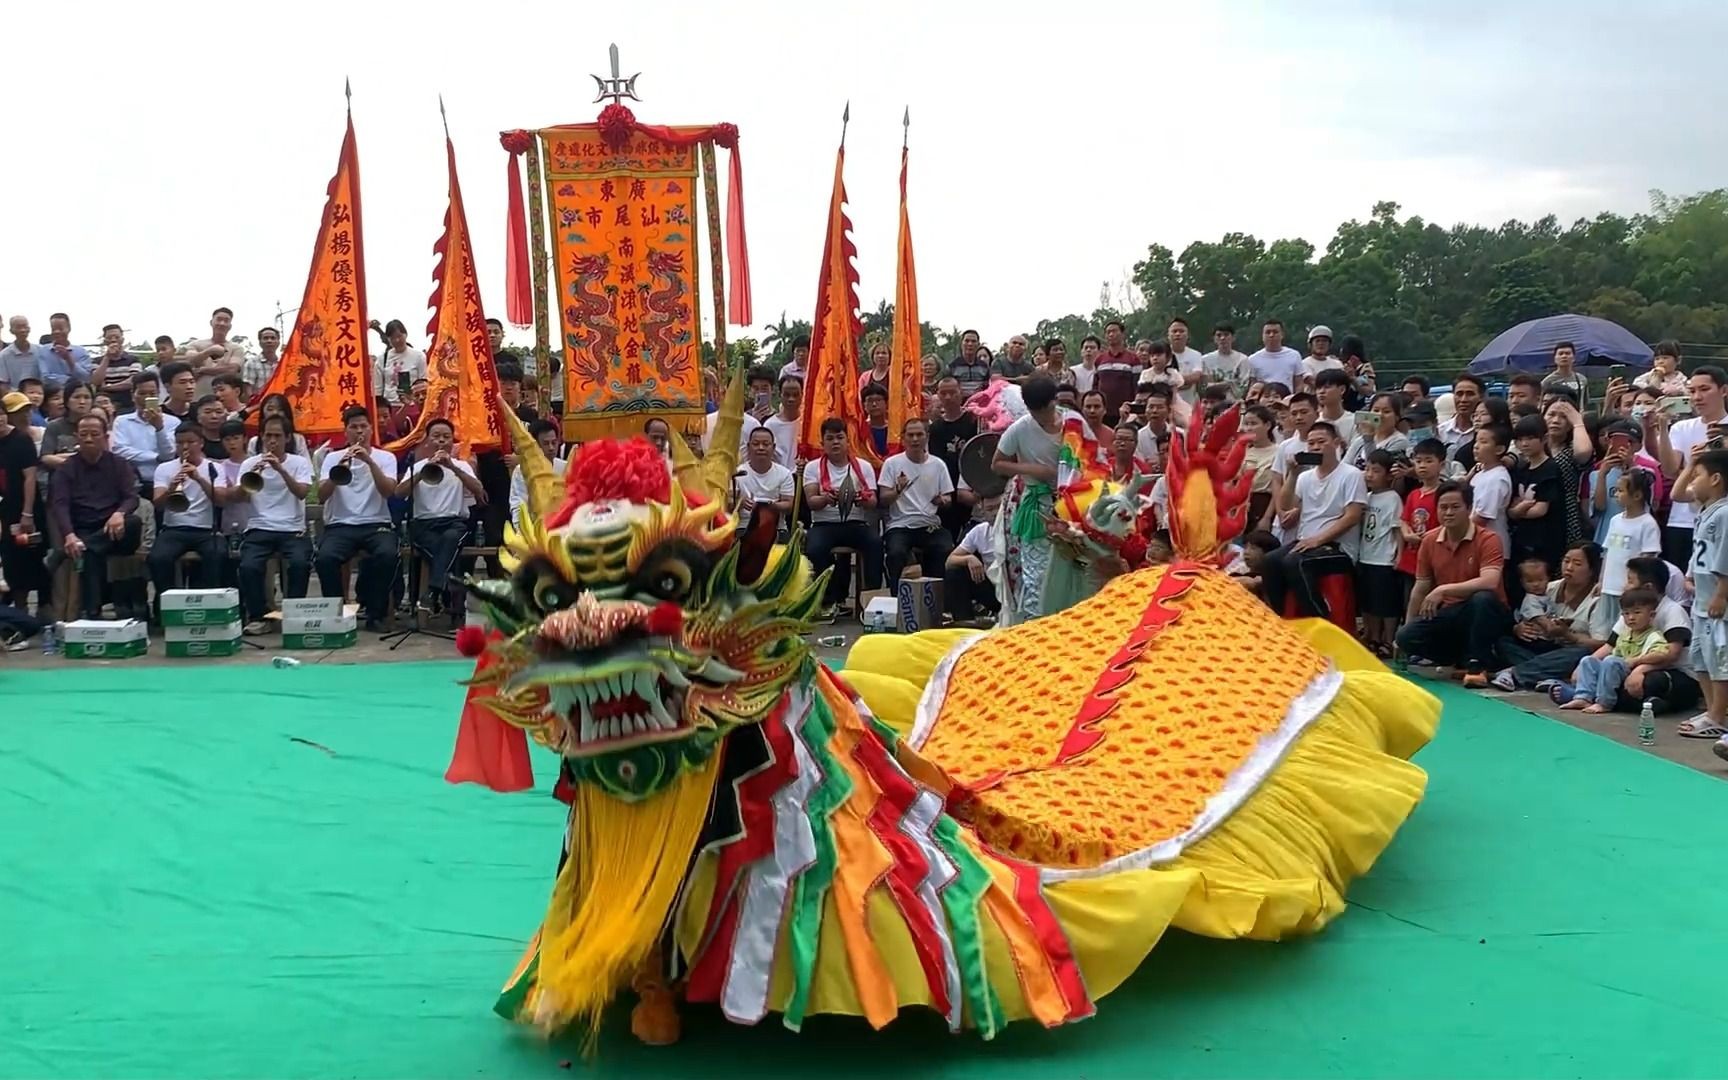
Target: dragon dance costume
<point>995,826</point>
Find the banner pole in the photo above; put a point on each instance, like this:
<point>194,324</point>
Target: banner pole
<point>717,273</point>
<point>537,246</point>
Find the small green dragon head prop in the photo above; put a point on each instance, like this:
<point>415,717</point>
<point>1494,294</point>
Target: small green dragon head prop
<point>639,626</point>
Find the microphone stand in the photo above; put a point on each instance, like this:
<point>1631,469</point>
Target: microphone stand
<point>413,560</point>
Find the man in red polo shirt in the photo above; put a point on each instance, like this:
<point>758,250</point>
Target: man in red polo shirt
<point>1458,607</point>
<point>1118,369</point>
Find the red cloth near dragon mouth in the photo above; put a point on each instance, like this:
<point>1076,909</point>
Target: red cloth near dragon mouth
<point>489,751</point>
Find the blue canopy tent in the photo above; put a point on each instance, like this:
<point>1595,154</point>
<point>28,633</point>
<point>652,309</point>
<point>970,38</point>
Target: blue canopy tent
<point>1529,346</point>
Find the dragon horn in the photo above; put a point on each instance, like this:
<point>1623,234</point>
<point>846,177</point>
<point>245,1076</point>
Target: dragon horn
<point>544,491</point>
<point>1196,437</point>
<point>722,459</point>
<point>1224,428</point>
<point>1223,468</point>
<point>685,468</point>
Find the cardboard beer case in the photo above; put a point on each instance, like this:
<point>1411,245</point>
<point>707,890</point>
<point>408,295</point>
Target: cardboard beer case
<point>920,604</point>
<point>320,632</point>
<point>102,639</point>
<point>312,607</point>
<point>214,639</point>
<point>200,607</point>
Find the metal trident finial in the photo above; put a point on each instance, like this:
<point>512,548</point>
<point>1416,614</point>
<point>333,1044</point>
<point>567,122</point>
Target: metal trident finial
<point>617,87</point>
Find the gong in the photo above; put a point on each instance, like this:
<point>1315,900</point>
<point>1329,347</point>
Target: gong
<point>975,458</point>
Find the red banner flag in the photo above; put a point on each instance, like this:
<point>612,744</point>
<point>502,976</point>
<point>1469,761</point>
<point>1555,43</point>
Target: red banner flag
<point>831,377</point>
<point>325,366</point>
<point>461,383</point>
<point>906,372</point>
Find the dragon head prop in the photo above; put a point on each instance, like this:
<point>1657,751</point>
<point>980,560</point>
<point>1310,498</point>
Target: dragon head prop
<point>637,625</point>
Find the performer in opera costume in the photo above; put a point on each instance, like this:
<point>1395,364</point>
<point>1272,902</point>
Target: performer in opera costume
<point>933,827</point>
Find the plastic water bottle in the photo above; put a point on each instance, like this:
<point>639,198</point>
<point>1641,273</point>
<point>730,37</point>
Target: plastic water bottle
<point>51,640</point>
<point>831,641</point>
<point>1647,725</point>
<point>284,662</point>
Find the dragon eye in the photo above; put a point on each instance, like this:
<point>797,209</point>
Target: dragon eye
<point>670,581</point>
<point>671,572</point>
<point>541,585</point>
<point>552,593</point>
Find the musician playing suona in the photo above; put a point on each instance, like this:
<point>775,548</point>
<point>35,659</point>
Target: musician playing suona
<point>196,479</point>
<point>441,507</point>
<point>94,495</point>
<point>763,481</point>
<point>841,493</point>
<point>357,519</point>
<point>276,520</point>
<point>915,488</point>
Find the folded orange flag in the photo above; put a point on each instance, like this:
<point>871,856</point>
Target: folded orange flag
<point>488,750</point>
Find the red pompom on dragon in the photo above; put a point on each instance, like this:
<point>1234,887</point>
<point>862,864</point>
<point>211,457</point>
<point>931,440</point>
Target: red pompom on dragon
<point>994,825</point>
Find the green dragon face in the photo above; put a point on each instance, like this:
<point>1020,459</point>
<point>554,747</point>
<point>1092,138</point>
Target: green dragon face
<point>632,647</point>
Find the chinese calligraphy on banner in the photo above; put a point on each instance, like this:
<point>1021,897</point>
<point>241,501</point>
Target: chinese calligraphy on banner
<point>461,383</point>
<point>326,366</point>
<point>623,228</point>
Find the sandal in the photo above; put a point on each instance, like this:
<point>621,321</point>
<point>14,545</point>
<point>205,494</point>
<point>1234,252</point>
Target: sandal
<point>1700,727</point>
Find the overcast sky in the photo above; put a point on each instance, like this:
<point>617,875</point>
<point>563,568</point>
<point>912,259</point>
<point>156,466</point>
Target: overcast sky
<point>169,157</point>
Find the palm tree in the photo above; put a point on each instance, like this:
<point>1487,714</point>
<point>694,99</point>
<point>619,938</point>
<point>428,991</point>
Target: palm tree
<point>880,320</point>
<point>778,338</point>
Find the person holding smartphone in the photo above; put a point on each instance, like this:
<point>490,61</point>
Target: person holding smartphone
<point>1324,508</point>
<point>398,365</point>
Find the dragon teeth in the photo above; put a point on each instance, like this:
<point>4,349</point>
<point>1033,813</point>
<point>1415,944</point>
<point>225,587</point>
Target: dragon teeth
<point>670,672</point>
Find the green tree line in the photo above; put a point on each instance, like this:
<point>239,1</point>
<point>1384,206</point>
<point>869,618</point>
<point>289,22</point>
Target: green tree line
<point>1413,290</point>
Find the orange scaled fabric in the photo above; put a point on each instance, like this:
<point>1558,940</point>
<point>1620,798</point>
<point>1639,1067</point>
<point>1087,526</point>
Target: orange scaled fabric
<point>1014,699</point>
<point>623,237</point>
<point>325,367</point>
<point>488,750</point>
<point>461,383</point>
<point>906,373</point>
<point>831,377</point>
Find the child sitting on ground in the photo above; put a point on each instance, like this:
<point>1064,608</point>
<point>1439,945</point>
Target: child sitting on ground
<point>1597,682</point>
<point>1533,576</point>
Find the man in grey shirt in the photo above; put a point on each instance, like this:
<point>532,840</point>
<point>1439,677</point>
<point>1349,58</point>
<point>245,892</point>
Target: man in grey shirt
<point>19,360</point>
<point>1014,365</point>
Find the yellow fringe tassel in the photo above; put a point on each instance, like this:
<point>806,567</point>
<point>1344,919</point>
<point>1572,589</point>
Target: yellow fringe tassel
<point>615,894</point>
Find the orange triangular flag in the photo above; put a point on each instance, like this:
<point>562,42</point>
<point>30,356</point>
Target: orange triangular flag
<point>831,378</point>
<point>461,383</point>
<point>906,373</point>
<point>325,367</point>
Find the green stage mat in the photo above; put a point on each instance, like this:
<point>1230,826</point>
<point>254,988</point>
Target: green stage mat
<point>246,872</point>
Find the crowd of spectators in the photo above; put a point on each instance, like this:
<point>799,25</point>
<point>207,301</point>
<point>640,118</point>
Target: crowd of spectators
<point>1516,537</point>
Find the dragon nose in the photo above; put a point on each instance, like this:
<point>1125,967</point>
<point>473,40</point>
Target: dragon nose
<point>591,623</point>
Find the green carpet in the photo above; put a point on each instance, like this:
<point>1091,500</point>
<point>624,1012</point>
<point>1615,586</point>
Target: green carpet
<point>189,890</point>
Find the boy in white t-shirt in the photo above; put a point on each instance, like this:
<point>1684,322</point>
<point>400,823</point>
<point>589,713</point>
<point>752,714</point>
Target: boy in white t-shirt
<point>1491,484</point>
<point>1379,593</point>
